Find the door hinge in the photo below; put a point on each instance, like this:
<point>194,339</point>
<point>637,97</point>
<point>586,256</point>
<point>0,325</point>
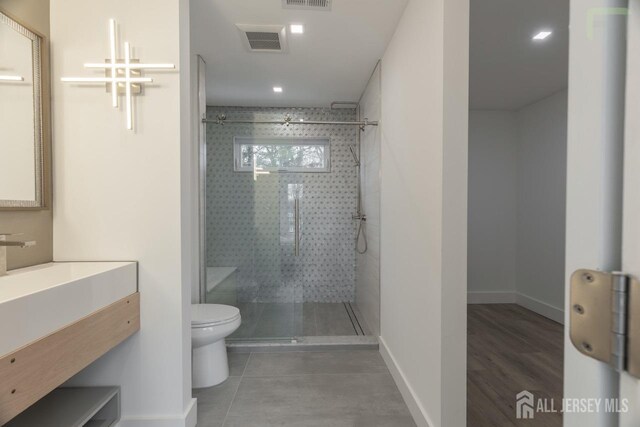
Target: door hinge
<point>605,312</point>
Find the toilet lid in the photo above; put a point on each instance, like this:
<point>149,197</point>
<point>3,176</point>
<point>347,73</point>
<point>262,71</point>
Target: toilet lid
<point>213,314</point>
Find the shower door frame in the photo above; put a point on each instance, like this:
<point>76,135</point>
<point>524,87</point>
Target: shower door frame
<point>202,176</point>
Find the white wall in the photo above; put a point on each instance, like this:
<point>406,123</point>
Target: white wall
<point>189,200</point>
<point>368,264</point>
<point>122,195</point>
<point>517,195</point>
<point>492,206</point>
<point>542,166</point>
<point>423,213</point>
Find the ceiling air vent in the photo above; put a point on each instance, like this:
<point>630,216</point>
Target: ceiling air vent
<point>264,41</point>
<point>307,4</point>
<point>264,38</point>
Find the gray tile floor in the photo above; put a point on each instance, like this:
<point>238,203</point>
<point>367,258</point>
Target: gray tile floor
<point>286,320</point>
<point>304,389</point>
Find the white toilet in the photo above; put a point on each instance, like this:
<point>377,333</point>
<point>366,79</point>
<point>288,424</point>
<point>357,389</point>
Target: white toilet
<point>210,324</point>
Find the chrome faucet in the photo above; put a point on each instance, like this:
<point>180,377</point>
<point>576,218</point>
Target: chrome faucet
<point>4,243</point>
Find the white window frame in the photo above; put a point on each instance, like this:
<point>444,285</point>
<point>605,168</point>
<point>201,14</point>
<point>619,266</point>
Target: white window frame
<point>239,141</point>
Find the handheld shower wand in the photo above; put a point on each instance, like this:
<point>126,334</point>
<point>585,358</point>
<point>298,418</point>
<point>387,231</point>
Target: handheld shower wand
<point>361,219</point>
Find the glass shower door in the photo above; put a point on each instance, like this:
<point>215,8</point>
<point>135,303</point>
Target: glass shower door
<point>280,239</point>
<point>255,246</point>
<point>270,308</point>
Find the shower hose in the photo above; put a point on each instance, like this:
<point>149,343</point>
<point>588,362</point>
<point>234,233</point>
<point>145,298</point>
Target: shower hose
<point>364,237</point>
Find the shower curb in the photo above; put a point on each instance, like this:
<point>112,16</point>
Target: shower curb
<point>335,343</point>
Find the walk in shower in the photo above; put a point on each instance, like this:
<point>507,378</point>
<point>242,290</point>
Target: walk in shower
<point>282,214</point>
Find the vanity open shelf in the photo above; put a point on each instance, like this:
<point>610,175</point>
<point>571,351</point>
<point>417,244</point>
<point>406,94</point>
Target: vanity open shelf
<point>73,407</point>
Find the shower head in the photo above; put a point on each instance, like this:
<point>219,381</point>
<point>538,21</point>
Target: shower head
<point>355,156</point>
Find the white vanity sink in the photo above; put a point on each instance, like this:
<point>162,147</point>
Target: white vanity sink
<point>39,300</point>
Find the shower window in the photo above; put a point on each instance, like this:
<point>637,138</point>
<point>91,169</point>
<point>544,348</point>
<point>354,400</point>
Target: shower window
<point>282,154</point>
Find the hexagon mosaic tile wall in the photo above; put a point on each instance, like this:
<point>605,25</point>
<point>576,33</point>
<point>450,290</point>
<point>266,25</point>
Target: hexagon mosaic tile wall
<point>249,222</point>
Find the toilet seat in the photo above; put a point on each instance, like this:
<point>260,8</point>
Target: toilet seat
<point>207,315</point>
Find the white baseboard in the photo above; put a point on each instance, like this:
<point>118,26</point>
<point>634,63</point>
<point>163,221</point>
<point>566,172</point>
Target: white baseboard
<point>188,419</point>
<point>492,297</point>
<point>416,409</point>
<point>191,414</point>
<point>542,308</point>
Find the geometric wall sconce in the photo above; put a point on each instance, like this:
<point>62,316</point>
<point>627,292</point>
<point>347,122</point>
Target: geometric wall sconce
<point>123,76</point>
<point>11,79</point>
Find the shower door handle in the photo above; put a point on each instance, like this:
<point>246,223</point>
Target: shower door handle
<point>296,238</point>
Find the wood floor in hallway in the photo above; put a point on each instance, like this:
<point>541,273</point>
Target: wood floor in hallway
<point>511,349</point>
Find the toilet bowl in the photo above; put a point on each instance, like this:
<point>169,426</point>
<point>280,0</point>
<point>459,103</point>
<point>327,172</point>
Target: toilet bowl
<point>210,324</point>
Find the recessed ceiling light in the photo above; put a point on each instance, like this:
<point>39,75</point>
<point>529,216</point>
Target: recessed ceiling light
<point>297,29</point>
<point>277,89</point>
<point>542,35</point>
